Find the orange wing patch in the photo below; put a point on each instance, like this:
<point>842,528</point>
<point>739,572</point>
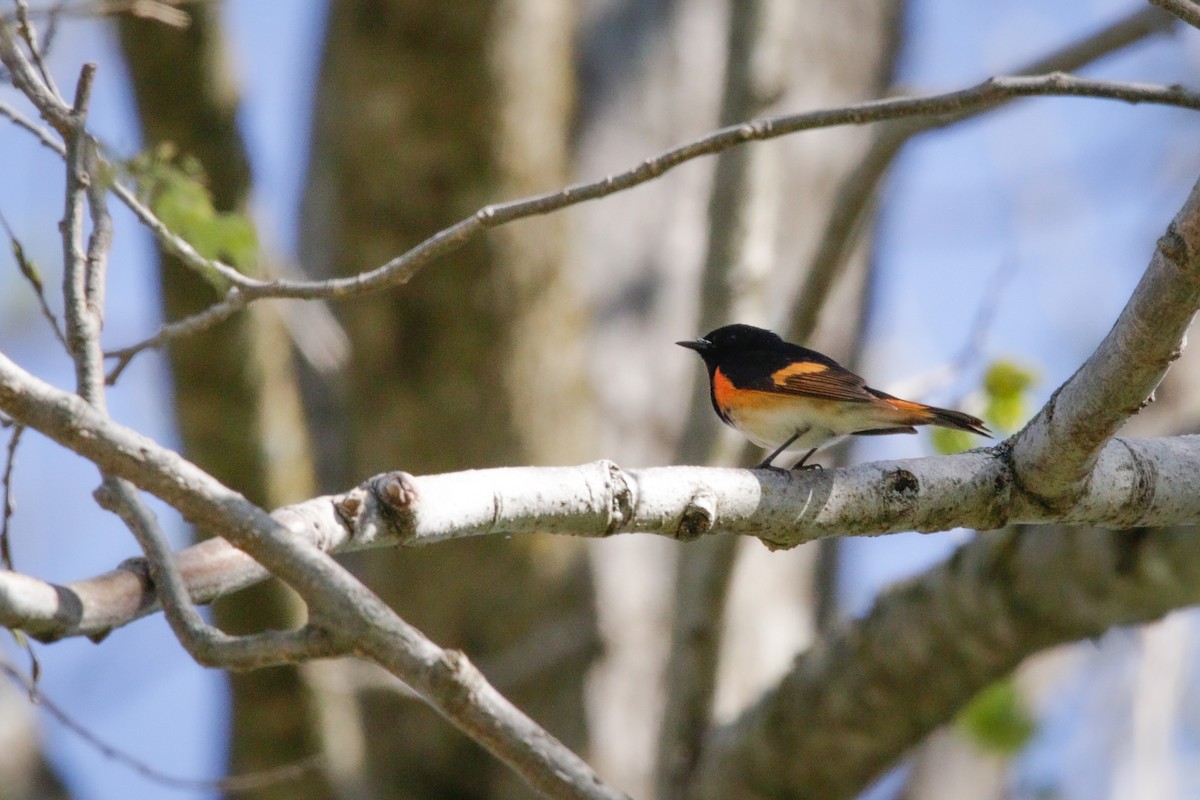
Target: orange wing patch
<point>820,381</point>
<point>780,376</point>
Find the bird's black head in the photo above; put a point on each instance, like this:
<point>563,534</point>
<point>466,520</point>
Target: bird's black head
<point>731,339</point>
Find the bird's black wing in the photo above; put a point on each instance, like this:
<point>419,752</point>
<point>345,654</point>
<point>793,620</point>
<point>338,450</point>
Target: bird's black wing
<point>798,371</point>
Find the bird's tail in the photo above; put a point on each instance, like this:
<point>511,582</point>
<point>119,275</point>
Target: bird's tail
<point>921,414</point>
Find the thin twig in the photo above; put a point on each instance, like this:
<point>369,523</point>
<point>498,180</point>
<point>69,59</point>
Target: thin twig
<point>43,136</point>
<point>83,270</point>
<point>236,784</point>
<point>10,503</point>
<point>990,93</point>
<point>401,269</point>
<point>920,386</point>
<point>29,34</point>
<point>234,301</point>
<point>855,197</point>
<point>166,12</point>
<point>30,273</point>
<point>1183,9</point>
<point>207,644</point>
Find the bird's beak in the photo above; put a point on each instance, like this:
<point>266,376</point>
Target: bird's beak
<point>699,345</point>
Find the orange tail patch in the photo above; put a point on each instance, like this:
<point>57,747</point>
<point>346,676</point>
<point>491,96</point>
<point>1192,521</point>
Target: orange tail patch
<point>921,414</point>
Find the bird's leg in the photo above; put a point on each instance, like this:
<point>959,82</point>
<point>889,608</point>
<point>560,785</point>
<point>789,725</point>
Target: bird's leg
<point>766,462</point>
<point>800,464</point>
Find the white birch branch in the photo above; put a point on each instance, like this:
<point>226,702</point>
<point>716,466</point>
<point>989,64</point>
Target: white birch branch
<point>1136,482</point>
<point>1053,456</point>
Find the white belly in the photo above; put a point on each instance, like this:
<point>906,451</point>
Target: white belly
<point>768,428</point>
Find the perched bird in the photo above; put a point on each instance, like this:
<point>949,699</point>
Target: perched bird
<point>783,396</point>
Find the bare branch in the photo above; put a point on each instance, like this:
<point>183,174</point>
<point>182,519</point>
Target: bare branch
<point>29,34</point>
<point>237,783</point>
<point>848,708</point>
<point>83,272</point>
<point>1136,482</point>
<point>401,269</point>
<point>233,302</point>
<point>1053,457</point>
<point>988,94</point>
<point>30,273</point>
<point>26,79</point>
<point>45,137</point>
<point>205,643</point>
<point>9,505</point>
<point>1186,10</point>
<point>352,616</point>
<point>855,197</point>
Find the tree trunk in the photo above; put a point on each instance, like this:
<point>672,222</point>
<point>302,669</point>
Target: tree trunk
<point>236,398</point>
<point>424,113</point>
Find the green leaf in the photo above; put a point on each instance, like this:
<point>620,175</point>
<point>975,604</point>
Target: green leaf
<point>26,265</point>
<point>1006,384</point>
<point>1008,413</point>
<point>1007,379</point>
<point>175,190</point>
<point>947,440</point>
<point>997,719</point>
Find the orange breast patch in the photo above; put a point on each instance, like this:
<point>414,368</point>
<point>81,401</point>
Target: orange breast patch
<point>723,390</point>
<point>732,399</point>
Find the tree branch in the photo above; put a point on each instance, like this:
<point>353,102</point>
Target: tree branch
<point>985,95</point>
<point>1053,457</point>
<point>858,189</point>
<point>848,708</point>
<point>1137,482</point>
<point>83,271</point>
<point>354,618</point>
<point>399,270</point>
<point>233,784</point>
<point>1187,11</point>
<point>205,643</point>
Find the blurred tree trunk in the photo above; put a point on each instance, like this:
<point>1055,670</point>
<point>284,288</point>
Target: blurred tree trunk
<point>24,773</point>
<point>655,78</point>
<point>424,112</point>
<point>236,398</point>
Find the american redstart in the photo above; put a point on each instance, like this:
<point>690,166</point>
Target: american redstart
<point>783,396</point>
